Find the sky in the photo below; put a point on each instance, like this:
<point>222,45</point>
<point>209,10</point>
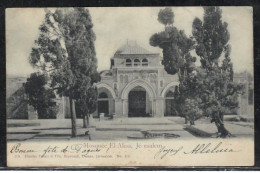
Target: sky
<point>114,26</point>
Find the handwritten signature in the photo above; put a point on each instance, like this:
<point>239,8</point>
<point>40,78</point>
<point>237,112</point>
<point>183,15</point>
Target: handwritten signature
<point>17,149</point>
<point>208,148</point>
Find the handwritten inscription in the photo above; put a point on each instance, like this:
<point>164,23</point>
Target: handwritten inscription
<point>208,148</point>
<point>164,152</point>
<point>18,149</point>
<point>87,150</point>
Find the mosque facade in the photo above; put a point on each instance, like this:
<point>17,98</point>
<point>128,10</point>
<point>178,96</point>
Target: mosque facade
<point>136,85</point>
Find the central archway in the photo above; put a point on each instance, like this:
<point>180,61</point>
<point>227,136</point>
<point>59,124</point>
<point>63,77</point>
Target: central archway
<point>143,86</point>
<point>137,102</point>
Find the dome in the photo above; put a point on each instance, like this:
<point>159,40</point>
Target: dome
<point>132,49</point>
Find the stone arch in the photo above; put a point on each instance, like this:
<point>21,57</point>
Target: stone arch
<point>144,84</point>
<point>138,82</point>
<point>110,89</point>
<point>172,84</point>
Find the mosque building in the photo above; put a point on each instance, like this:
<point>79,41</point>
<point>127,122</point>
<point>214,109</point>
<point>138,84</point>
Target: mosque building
<point>136,85</point>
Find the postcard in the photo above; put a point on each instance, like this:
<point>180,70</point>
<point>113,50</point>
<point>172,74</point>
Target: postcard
<point>130,86</point>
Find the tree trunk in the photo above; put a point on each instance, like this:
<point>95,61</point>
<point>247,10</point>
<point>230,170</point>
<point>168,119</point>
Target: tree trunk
<point>186,120</point>
<point>221,128</point>
<point>85,121</point>
<point>73,119</point>
<point>222,117</point>
<point>192,120</point>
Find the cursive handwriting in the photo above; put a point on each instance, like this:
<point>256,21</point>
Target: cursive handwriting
<point>49,150</point>
<point>17,149</point>
<point>210,149</point>
<point>80,148</point>
<point>164,152</point>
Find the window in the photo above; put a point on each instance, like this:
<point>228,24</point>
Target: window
<point>145,62</point>
<point>136,62</point>
<point>128,62</point>
<point>102,95</point>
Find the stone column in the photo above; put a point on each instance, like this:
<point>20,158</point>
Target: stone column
<point>153,107</point>
<point>118,108</point>
<point>125,108</point>
<point>111,105</point>
<point>159,107</point>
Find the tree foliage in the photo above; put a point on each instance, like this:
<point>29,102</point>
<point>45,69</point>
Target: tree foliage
<point>176,49</point>
<point>208,90</point>
<point>65,51</point>
<point>39,96</point>
<point>192,109</point>
<point>166,16</point>
<point>216,77</point>
<point>87,104</point>
<point>176,46</point>
<point>211,36</point>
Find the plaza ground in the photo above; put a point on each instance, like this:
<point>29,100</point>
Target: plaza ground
<point>121,129</point>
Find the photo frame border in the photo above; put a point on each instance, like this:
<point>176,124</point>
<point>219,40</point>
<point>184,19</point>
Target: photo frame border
<point>127,3</point>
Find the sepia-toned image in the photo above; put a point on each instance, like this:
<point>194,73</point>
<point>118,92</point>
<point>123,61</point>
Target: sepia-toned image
<point>130,86</point>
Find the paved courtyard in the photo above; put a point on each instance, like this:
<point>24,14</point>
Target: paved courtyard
<point>117,129</point>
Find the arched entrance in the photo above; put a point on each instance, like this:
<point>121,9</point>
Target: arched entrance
<point>103,104</point>
<point>137,102</point>
<point>106,100</point>
<point>170,106</point>
<point>139,85</point>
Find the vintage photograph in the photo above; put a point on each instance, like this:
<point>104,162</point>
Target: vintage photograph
<point>162,75</point>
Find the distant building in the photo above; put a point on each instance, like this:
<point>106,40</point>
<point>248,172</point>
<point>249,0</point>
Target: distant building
<point>242,78</point>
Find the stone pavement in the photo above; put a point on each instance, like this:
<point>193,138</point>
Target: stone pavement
<point>239,129</point>
<point>101,130</point>
<point>123,127</point>
<point>117,129</point>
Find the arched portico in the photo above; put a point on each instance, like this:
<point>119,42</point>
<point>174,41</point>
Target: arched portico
<point>106,100</point>
<point>132,85</point>
<point>109,88</point>
<point>170,85</point>
<point>168,103</point>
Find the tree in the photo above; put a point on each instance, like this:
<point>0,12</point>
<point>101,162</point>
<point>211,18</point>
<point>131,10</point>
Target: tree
<point>65,51</point>
<point>87,100</point>
<point>39,96</point>
<point>87,105</point>
<point>176,57</point>
<point>166,16</point>
<point>216,80</point>
<point>192,109</point>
